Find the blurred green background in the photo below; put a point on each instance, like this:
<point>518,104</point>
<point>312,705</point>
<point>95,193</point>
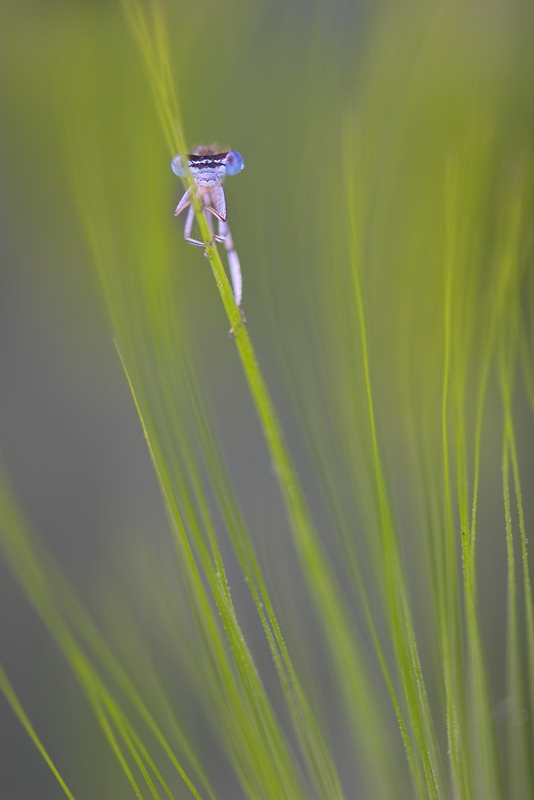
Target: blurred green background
<point>293,87</point>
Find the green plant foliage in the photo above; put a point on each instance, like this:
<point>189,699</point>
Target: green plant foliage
<point>345,610</point>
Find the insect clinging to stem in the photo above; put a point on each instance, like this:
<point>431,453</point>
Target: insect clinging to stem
<point>208,169</point>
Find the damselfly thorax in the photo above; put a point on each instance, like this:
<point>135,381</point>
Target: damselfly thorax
<point>208,169</point>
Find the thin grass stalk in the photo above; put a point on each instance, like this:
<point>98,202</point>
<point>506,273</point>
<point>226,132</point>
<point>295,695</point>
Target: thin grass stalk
<point>260,722</point>
<point>313,747</point>
<point>38,574</point>
<point>321,585</point>
<point>214,571</point>
<point>26,564</point>
<point>484,738</point>
<point>520,768</point>
<point>527,584</point>
<point>15,704</point>
<point>518,762</point>
<point>221,594</point>
<point>401,625</point>
<point>450,628</point>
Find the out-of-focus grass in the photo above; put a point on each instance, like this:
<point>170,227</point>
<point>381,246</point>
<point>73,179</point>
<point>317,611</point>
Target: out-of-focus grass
<point>19,711</point>
<point>384,221</point>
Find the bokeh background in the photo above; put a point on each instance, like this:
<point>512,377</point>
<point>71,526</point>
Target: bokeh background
<point>282,83</point>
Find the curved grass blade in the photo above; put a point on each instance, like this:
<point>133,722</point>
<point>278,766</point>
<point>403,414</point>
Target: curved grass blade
<point>9,692</point>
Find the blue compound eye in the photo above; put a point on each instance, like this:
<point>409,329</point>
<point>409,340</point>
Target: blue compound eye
<point>177,167</point>
<point>233,163</point>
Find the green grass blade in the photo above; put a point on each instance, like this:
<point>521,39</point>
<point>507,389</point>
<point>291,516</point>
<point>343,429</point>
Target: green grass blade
<point>361,622</point>
<point>9,692</point>
<point>53,600</point>
<point>321,585</point>
<point>520,778</point>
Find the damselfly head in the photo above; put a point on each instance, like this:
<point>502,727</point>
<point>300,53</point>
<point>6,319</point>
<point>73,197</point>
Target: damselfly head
<point>208,150</point>
<point>207,166</point>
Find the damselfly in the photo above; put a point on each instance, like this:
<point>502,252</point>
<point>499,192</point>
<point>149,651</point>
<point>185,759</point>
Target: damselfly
<point>208,169</point>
